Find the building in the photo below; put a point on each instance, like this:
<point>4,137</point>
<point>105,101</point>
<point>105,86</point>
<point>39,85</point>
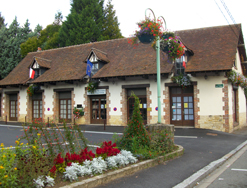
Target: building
<point>60,78</point>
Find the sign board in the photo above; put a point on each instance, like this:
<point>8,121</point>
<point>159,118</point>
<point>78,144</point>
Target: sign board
<point>219,85</point>
<point>97,92</point>
<point>149,109</point>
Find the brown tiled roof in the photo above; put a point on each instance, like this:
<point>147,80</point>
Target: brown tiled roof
<point>101,55</point>
<point>43,62</point>
<point>214,49</point>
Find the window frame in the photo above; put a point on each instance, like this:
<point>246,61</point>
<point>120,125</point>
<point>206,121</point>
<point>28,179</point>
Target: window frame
<point>179,69</point>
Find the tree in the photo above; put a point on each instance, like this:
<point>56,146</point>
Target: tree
<point>84,23</point>
<point>46,38</point>
<point>135,134</point>
<point>1,20</point>
<point>11,38</point>
<point>110,26</point>
<point>58,18</point>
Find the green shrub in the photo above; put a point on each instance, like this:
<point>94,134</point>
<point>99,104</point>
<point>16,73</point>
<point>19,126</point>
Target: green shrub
<point>8,169</point>
<point>135,129</point>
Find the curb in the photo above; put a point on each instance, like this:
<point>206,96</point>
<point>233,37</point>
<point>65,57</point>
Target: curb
<point>201,174</point>
<point>110,176</point>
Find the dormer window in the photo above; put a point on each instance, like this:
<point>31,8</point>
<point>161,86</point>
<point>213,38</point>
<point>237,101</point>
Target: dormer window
<point>95,68</point>
<point>98,59</point>
<point>40,65</point>
<point>37,70</point>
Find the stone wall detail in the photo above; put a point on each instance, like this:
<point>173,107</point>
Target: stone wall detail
<point>196,107</point>
<point>166,109</point>
<point>86,107</point>
<point>226,106</point>
<point>55,108</point>
<point>29,108</point>
<point>149,102</point>
<point>108,109</point>
<point>123,109</point>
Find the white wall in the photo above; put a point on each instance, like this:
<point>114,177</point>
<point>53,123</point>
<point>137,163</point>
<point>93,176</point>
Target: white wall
<point>115,89</point>
<point>79,91</point>
<point>210,98</point>
<point>238,67</point>
<point>23,100</point>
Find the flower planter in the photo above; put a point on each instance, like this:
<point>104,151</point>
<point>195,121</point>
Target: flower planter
<point>165,36</point>
<point>165,49</point>
<point>146,38</point>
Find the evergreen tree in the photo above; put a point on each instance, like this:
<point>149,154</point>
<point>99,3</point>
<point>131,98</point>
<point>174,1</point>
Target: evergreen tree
<point>11,38</point>
<point>135,134</point>
<point>46,38</point>
<point>1,20</point>
<point>58,18</point>
<point>110,26</point>
<point>84,23</point>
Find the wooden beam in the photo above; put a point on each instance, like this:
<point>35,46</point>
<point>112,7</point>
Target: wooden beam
<point>121,78</point>
<point>145,76</point>
<point>52,83</point>
<point>241,45</point>
<point>69,82</point>
<point>104,79</point>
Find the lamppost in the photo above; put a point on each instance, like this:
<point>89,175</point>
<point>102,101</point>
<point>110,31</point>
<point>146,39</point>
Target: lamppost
<point>158,66</point>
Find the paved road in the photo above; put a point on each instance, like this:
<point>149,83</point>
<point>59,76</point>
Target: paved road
<point>199,152</point>
<point>201,148</point>
<point>233,173</point>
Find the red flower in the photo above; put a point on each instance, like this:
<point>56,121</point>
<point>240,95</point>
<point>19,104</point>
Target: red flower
<point>53,170</point>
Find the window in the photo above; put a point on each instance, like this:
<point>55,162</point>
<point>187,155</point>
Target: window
<point>65,106</point>
<point>179,68</point>
<point>37,73</point>
<point>95,68</point>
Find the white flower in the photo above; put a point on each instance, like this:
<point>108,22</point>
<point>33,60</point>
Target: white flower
<point>41,181</point>
<point>111,162</point>
<point>70,173</point>
<point>50,181</point>
<point>98,165</point>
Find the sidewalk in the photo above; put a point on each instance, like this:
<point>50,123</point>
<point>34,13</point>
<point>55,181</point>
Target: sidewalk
<point>231,174</point>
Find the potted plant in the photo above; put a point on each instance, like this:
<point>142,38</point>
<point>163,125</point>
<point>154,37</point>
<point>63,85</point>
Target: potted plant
<point>78,112</point>
<point>173,46</point>
<point>237,79</point>
<point>92,86</point>
<point>30,90</point>
<point>181,80</point>
<point>168,34</point>
<point>148,30</point>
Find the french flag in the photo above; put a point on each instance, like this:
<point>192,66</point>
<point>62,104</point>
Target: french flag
<point>31,73</point>
<point>184,64</point>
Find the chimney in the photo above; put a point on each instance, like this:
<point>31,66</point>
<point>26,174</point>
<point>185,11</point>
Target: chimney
<point>39,49</point>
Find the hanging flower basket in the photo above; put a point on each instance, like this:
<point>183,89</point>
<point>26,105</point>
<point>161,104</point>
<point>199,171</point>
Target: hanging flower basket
<point>78,112</point>
<point>148,31</point>
<point>92,86</point>
<point>172,46</point>
<point>237,79</point>
<point>31,89</point>
<point>146,38</point>
<point>164,47</point>
<point>181,80</point>
<point>168,34</point>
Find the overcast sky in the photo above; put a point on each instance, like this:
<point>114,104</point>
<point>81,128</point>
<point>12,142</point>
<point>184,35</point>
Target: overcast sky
<point>179,14</point>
